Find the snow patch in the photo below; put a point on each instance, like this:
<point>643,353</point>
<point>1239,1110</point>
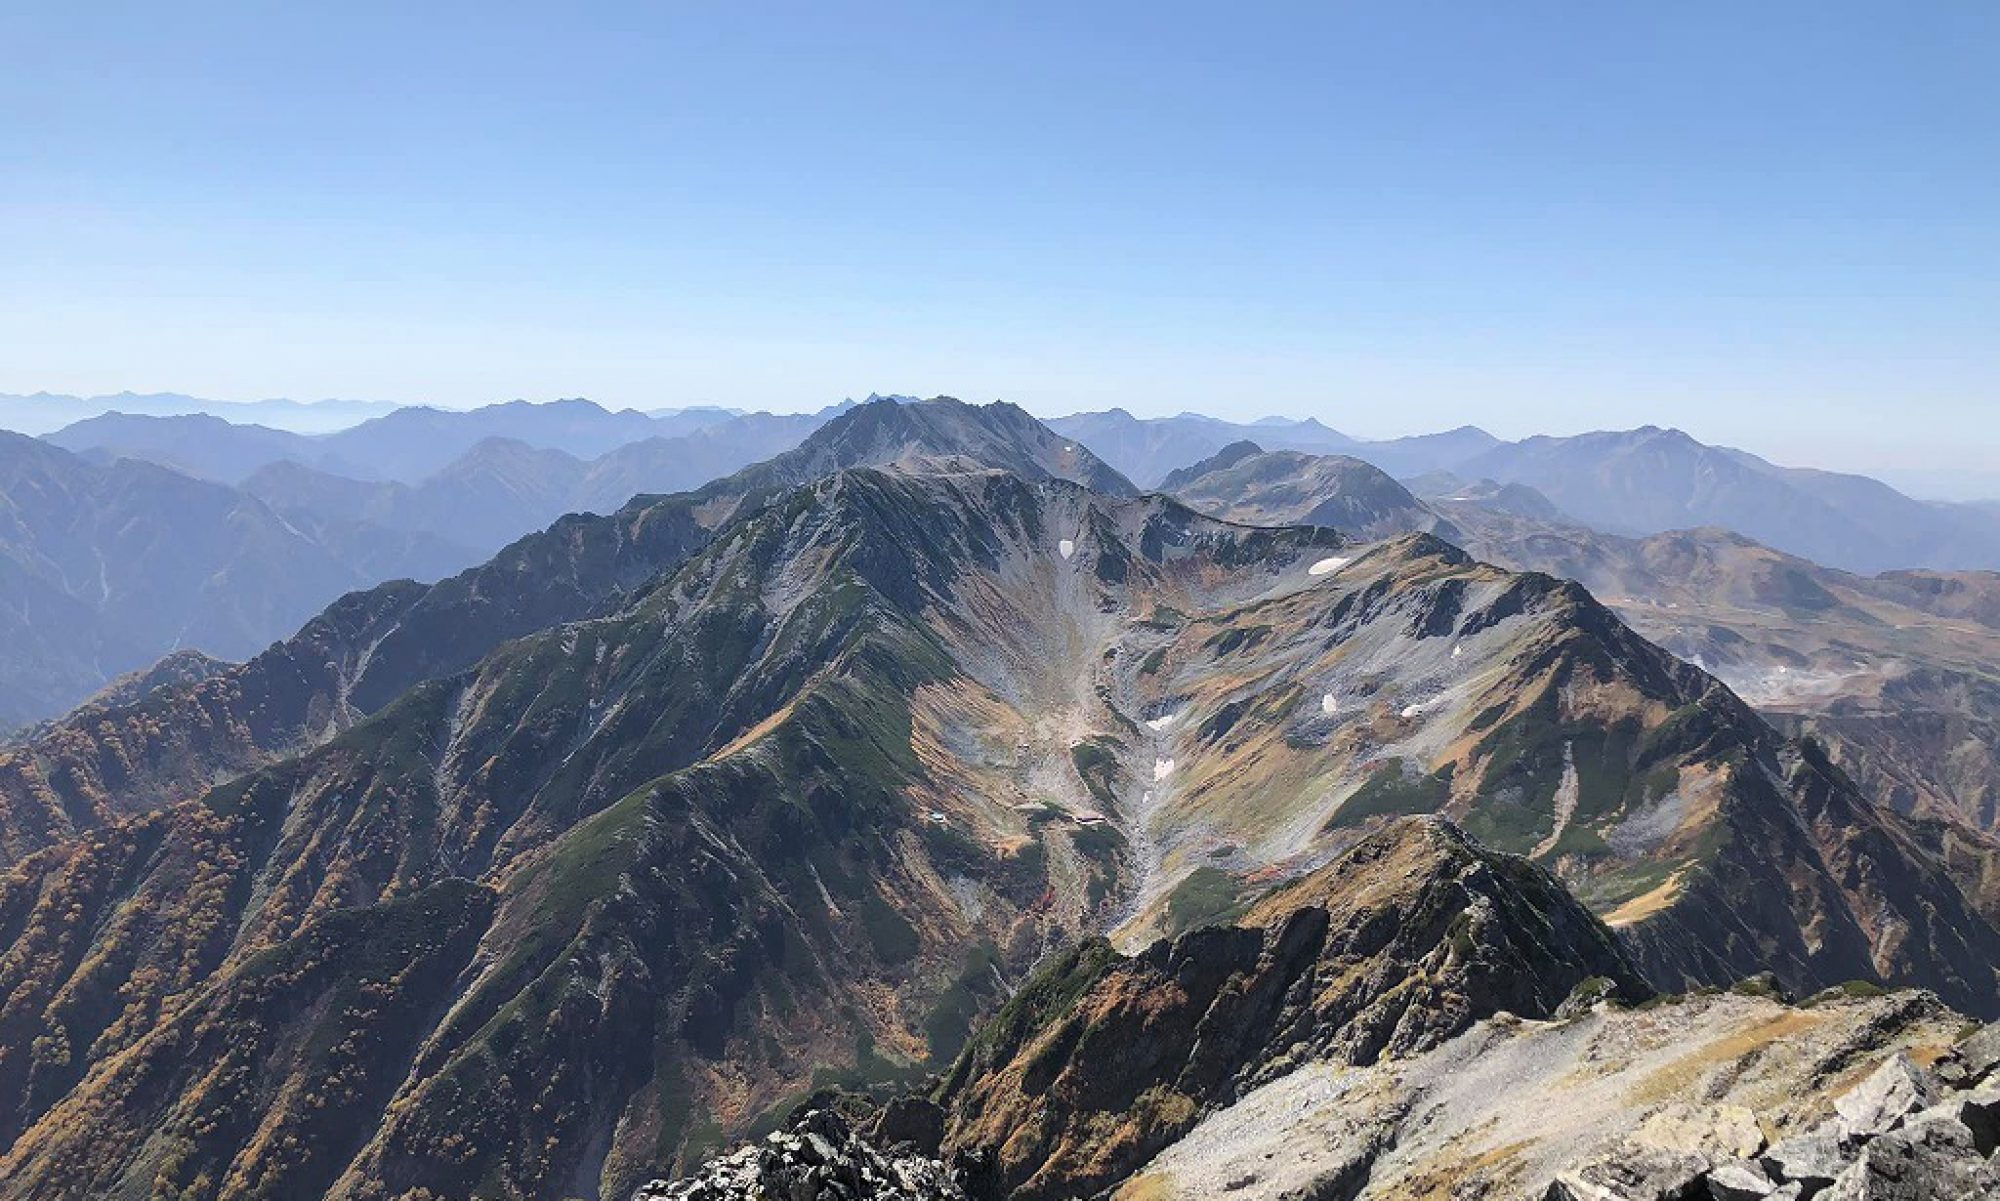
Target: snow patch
<point>1067,547</point>
<point>1329,704</point>
<point>1162,768</point>
<point>1330,563</point>
<point>1161,722</point>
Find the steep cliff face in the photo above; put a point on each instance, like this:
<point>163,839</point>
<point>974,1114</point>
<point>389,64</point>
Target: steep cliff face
<point>1399,945</point>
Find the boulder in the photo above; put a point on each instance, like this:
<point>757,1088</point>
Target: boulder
<point>1719,1131</point>
<point>1633,1172</point>
<point>1739,1180</point>
<point>1815,1159</point>
<point>1979,1109</point>
<point>1929,1159</point>
<point>1978,1055</point>
<point>1893,1092</point>
<point>911,1121</point>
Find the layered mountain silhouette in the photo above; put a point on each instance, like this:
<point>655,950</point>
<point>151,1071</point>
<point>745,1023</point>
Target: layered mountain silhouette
<point>1651,480</point>
<point>1627,482</point>
<point>553,876</point>
<point>1148,449</point>
<point>104,569</point>
<point>46,412</point>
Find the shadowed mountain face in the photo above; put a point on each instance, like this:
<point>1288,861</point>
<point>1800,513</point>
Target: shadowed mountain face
<point>104,569</point>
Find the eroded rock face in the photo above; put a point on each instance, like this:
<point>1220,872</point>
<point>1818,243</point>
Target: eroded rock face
<point>819,1157</point>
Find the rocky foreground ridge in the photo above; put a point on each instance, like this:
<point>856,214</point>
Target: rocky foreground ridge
<point>1422,1020</point>
<point>1766,1120</point>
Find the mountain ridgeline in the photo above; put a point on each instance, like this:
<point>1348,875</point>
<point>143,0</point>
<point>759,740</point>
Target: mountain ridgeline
<point>930,755</point>
<point>1894,672</point>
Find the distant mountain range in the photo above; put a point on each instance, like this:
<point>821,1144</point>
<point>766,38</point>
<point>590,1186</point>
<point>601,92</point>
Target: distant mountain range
<point>106,568</point>
<point>1147,449</point>
<point>45,412</point>
<point>1633,482</point>
<point>408,445</point>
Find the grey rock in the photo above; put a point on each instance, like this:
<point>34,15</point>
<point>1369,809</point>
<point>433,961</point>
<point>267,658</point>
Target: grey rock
<point>817,1159</point>
<point>1978,1055</point>
<point>1722,1131</point>
<point>1739,1180</point>
<point>1930,1159</point>
<point>1815,1159</point>
<point>1896,1090</point>
<point>1633,1173</point>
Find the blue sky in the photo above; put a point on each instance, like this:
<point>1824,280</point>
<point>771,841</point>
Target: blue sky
<point>1776,225</point>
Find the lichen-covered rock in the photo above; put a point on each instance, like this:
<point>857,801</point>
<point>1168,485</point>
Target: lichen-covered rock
<point>1740,1180</point>
<point>1978,1056</point>
<point>1816,1158</point>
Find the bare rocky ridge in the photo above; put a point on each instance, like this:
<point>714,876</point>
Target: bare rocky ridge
<point>1893,672</point>
<point>1401,944</point>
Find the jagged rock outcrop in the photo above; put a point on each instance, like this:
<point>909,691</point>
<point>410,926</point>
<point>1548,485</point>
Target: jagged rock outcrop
<point>1401,944</point>
<point>818,1157</point>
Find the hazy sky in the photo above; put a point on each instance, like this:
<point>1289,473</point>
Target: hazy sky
<point>1773,224</point>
